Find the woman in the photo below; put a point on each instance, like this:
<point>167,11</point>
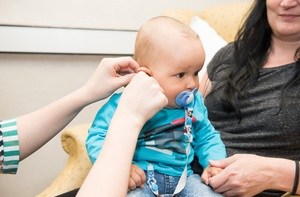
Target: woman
<point>103,82</point>
<point>253,99</point>
<point>21,137</point>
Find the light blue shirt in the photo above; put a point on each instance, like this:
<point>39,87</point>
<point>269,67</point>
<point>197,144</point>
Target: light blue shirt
<point>161,141</point>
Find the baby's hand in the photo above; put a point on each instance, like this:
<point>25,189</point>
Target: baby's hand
<point>209,172</point>
<point>137,177</point>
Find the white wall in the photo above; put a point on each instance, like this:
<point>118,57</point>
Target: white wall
<point>30,81</point>
<point>112,14</point>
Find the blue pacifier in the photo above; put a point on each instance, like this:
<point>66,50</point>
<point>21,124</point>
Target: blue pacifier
<point>184,98</point>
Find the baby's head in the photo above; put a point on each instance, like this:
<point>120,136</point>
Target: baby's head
<point>173,52</point>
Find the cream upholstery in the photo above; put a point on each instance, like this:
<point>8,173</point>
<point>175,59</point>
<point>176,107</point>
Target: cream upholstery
<point>78,164</point>
<point>225,19</point>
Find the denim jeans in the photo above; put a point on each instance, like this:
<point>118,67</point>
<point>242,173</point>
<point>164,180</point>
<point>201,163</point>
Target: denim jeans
<point>166,185</point>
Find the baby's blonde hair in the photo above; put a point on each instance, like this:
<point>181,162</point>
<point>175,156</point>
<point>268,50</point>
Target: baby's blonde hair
<point>154,30</point>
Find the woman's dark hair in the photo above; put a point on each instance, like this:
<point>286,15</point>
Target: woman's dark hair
<point>251,49</point>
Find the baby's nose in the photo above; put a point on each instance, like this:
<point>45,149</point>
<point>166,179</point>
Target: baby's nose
<point>191,84</point>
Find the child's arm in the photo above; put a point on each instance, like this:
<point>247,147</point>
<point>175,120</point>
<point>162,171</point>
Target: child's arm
<point>207,141</point>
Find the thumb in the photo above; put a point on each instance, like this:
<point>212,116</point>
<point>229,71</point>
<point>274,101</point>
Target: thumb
<point>125,79</point>
<point>223,163</point>
<point>205,177</point>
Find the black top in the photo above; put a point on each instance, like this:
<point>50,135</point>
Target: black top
<point>263,130</point>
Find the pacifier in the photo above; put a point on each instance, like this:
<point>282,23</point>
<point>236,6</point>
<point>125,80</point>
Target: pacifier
<point>184,98</point>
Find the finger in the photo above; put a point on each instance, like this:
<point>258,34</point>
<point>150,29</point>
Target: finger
<point>144,75</point>
<point>125,80</point>
<point>204,177</point>
<point>165,100</point>
<point>141,173</point>
<point>131,185</point>
<point>219,179</point>
<point>153,80</point>
<point>124,72</point>
<point>137,178</point>
<point>215,171</point>
<point>222,189</point>
<point>127,62</point>
<point>224,162</point>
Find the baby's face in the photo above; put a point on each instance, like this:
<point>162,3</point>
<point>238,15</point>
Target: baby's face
<point>176,67</point>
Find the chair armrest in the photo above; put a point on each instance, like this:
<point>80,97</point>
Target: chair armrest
<point>78,164</point>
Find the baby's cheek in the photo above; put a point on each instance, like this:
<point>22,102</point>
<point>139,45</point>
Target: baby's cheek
<point>171,95</point>
<point>171,102</point>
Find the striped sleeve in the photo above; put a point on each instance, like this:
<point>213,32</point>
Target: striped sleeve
<point>9,147</point>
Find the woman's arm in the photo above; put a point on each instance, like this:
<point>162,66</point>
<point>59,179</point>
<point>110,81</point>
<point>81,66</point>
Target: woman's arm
<point>109,176</point>
<point>37,128</point>
<point>247,175</point>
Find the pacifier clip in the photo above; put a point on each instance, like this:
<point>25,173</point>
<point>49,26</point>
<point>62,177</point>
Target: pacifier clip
<point>183,100</point>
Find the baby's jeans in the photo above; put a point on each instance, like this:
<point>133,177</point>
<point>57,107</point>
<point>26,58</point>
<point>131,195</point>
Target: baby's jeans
<point>166,185</point>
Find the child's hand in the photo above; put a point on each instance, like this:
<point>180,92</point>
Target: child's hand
<point>209,172</point>
<point>137,177</point>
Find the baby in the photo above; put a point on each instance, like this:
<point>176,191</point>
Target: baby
<point>173,54</point>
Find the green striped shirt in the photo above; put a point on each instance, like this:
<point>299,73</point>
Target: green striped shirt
<point>9,147</point>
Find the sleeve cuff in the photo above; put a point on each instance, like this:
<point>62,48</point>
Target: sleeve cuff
<point>9,147</point>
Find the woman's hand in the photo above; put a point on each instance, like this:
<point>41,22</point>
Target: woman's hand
<point>142,98</point>
<point>111,74</point>
<point>243,175</point>
<point>209,172</point>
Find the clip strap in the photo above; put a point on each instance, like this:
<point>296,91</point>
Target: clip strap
<point>183,100</point>
<point>151,180</point>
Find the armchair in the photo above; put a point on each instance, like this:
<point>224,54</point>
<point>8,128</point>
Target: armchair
<point>78,164</point>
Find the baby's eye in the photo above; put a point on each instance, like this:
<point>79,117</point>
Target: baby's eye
<point>196,73</point>
<point>180,75</point>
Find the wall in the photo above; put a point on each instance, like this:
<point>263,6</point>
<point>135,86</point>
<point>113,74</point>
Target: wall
<point>113,14</point>
<point>30,80</point>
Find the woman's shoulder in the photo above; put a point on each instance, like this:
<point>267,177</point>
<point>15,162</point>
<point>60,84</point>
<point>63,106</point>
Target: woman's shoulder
<point>224,53</point>
<point>225,56</point>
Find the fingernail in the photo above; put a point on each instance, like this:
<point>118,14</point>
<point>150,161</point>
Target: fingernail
<point>210,161</point>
